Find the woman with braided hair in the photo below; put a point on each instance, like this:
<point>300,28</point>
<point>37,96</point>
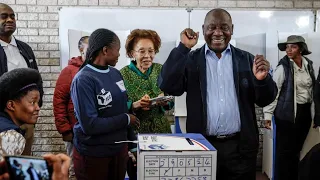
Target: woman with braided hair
<point>100,102</point>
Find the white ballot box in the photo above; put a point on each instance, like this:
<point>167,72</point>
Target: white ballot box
<point>176,157</point>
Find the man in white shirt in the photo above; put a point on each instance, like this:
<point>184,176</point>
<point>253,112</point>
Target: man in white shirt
<point>15,54</point>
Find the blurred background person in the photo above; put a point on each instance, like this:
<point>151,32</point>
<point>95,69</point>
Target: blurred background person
<point>295,80</point>
<point>62,104</point>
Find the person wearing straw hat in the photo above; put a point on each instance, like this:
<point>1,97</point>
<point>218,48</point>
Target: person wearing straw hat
<point>295,80</point>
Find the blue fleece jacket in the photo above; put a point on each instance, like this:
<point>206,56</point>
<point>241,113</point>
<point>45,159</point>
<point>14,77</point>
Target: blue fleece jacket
<point>100,104</point>
<point>6,124</point>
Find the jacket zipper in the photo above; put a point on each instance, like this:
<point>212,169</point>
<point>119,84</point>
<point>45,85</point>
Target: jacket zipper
<point>202,101</point>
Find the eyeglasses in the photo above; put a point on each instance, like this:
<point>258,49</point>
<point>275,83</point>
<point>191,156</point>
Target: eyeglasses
<point>143,52</point>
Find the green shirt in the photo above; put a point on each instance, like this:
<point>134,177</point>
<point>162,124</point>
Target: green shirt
<point>139,84</point>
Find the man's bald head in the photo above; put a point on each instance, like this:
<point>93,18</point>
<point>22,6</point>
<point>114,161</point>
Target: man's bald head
<point>217,30</point>
<point>219,12</point>
<point>7,22</point>
<point>2,5</point>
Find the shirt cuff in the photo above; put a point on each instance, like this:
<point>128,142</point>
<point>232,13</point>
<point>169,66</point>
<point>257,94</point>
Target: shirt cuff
<point>133,150</point>
<point>128,119</point>
<point>183,49</point>
<point>262,82</point>
<point>267,116</point>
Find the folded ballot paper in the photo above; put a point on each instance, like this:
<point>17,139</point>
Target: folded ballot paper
<point>172,143</point>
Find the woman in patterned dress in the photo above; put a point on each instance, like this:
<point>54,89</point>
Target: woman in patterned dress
<point>19,104</point>
<point>140,79</point>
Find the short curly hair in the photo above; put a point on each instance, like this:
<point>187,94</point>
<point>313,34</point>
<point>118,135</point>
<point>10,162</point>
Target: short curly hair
<point>17,83</point>
<point>138,34</point>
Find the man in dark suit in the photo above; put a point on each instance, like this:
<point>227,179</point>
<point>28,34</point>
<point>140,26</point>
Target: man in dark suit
<point>223,84</point>
<point>33,173</point>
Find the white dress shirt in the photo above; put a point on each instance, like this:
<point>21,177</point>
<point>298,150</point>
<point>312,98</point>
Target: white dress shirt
<point>222,102</point>
<point>14,58</point>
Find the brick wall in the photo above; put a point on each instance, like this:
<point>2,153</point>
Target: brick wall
<point>38,24</point>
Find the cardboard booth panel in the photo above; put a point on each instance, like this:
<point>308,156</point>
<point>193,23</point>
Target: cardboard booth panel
<point>255,22</point>
<point>75,35</point>
<point>176,156</point>
<point>88,19</point>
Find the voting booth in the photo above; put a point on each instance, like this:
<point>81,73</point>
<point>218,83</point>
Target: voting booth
<point>176,156</point>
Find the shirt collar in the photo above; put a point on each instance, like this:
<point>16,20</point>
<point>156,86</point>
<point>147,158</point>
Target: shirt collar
<point>304,61</point>
<point>208,50</point>
<point>133,67</point>
<point>304,64</point>
<point>13,42</point>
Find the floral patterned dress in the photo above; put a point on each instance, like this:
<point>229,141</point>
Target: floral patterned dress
<point>11,143</point>
<point>139,84</point>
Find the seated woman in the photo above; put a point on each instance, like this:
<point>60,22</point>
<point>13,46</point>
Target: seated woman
<point>19,104</point>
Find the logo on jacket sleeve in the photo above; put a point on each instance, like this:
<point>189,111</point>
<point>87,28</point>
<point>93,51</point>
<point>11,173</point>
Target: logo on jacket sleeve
<point>245,82</point>
<point>104,98</point>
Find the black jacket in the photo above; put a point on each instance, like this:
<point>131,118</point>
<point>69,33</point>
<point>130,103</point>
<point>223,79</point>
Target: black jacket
<point>6,123</point>
<point>185,71</point>
<point>25,51</point>
<point>31,175</point>
<point>316,99</point>
<point>285,107</point>
<point>309,165</point>
<point>28,55</point>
